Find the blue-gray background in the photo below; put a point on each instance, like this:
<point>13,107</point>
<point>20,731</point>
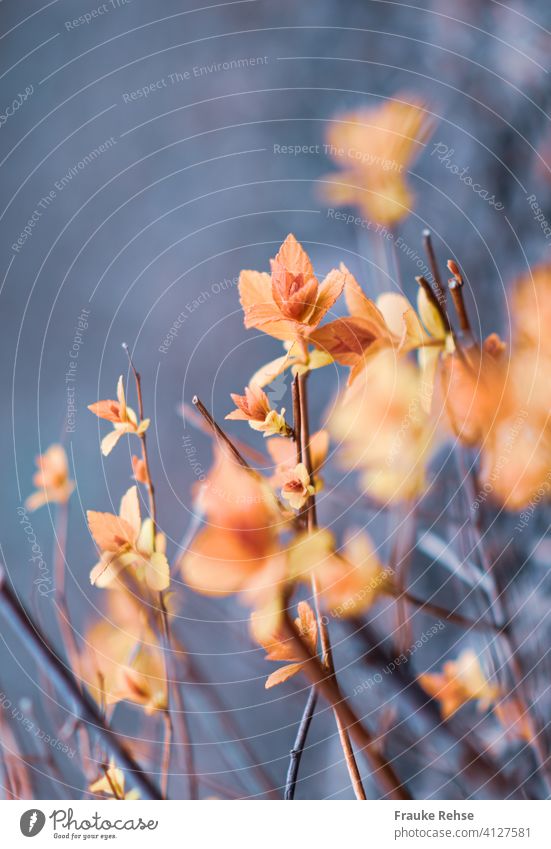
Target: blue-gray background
<point>190,191</point>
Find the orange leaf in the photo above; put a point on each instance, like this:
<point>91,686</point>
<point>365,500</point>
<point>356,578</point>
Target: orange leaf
<point>139,470</point>
<point>111,533</point>
<point>328,292</point>
<point>255,289</point>
<point>307,625</point>
<point>109,410</point>
<point>294,258</point>
<point>357,302</point>
<point>282,674</point>
<point>346,339</point>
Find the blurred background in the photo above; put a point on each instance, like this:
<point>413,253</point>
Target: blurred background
<point>142,169</point>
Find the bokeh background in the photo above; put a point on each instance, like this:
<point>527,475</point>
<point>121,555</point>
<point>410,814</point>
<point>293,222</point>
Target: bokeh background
<point>189,189</point>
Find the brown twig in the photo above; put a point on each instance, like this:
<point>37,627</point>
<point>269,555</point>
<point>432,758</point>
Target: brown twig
<point>498,601</point>
<point>191,415</point>
<point>132,587</point>
<point>143,439</point>
<point>299,744</point>
<point>39,648</point>
<point>453,618</point>
<point>217,430</point>
<point>381,653</point>
<point>327,686</point>
<point>64,621</point>
<point>443,313</point>
<point>297,424</point>
<point>212,694</point>
<point>164,630</point>
<point>172,684</point>
<point>327,653</point>
<point>429,248</point>
<point>429,292</point>
<point>310,706</point>
<point>455,286</point>
<point>305,445</point>
<point>167,749</point>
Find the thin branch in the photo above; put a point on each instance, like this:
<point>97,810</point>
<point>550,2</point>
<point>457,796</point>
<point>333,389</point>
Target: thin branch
<point>429,292</point>
<point>167,749</point>
<point>143,438</point>
<point>449,616</point>
<point>165,767</point>
<point>327,686</point>
<point>165,629</point>
<point>217,430</point>
<point>305,444</point>
<point>212,694</point>
<point>43,654</point>
<point>310,706</point>
<point>297,424</point>
<point>327,654</point>
<point>379,652</point>
<point>429,248</point>
<point>455,286</point>
<point>172,684</point>
<point>149,608</point>
<point>299,744</point>
<point>191,415</point>
<point>498,601</point>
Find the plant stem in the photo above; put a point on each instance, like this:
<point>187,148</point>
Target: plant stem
<point>429,248</point>
<point>167,748</point>
<point>217,430</point>
<point>42,653</point>
<point>327,653</point>
<point>327,686</point>
<point>437,304</point>
<point>143,440</point>
<point>297,423</point>
<point>132,587</point>
<point>498,601</point>
<point>62,609</point>
<point>455,286</point>
<point>165,629</point>
<point>214,698</point>
<point>172,684</point>
<point>380,653</point>
<point>191,415</point>
<point>64,621</point>
<point>310,706</point>
<point>443,613</point>
<point>299,744</point>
